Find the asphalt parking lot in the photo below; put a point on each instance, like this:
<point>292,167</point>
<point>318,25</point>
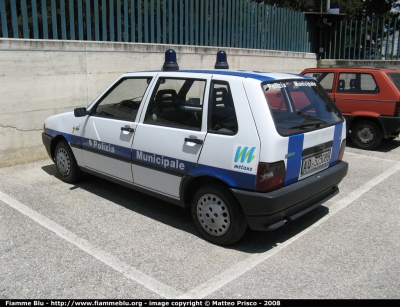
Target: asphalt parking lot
<point>96,239</point>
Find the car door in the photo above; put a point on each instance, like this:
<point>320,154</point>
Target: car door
<point>170,134</point>
<point>109,128</point>
<point>327,79</point>
<point>360,92</point>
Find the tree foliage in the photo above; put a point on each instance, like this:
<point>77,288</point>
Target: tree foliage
<point>354,9</point>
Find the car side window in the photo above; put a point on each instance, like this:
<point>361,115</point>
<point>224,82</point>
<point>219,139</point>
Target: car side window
<point>357,83</point>
<point>324,78</point>
<point>123,100</point>
<point>177,102</point>
<point>221,115</point>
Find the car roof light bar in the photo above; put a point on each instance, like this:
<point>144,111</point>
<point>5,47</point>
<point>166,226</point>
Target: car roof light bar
<point>221,62</point>
<point>170,63</point>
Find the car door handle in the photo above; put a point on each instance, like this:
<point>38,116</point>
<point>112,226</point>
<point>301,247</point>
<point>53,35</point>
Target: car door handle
<point>197,141</point>
<point>129,129</point>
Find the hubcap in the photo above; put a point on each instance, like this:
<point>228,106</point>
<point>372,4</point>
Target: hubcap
<point>365,135</point>
<point>213,215</point>
<point>62,160</point>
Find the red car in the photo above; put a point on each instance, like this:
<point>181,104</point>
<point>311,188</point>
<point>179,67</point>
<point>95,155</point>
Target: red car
<point>369,98</point>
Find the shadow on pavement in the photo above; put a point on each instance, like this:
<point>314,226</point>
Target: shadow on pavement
<point>385,146</point>
<point>179,218</point>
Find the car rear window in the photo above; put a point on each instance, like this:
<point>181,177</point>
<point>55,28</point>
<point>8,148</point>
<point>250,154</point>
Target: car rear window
<point>298,106</point>
<point>395,77</point>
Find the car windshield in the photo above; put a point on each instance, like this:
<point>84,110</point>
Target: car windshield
<point>395,77</point>
<point>300,105</point>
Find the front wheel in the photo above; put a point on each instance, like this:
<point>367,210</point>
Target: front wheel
<point>217,215</point>
<point>66,163</point>
<point>366,134</point>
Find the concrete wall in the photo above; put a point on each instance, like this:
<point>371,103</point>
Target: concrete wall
<point>359,63</point>
<point>39,78</point>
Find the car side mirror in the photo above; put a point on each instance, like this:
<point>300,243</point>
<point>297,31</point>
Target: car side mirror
<point>80,112</point>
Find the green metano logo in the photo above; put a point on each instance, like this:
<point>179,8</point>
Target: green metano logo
<point>245,153</point>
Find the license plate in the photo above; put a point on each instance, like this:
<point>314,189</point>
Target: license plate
<point>315,162</point>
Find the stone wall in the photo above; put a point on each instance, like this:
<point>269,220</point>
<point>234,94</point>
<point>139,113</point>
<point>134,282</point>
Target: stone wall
<point>359,63</point>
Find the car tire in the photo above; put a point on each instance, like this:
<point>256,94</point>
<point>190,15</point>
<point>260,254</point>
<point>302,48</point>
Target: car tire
<point>365,134</point>
<point>66,163</point>
<point>217,215</point>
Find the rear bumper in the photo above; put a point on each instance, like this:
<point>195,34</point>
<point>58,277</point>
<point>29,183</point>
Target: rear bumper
<point>268,211</point>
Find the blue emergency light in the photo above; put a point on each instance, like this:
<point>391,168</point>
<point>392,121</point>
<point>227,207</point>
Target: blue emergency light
<point>170,63</point>
<point>221,60</point>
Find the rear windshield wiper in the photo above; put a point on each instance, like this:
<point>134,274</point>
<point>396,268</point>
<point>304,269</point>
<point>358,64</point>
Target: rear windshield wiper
<point>316,124</point>
<point>306,116</point>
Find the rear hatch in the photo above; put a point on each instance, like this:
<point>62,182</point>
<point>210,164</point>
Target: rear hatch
<point>304,114</point>
<point>395,78</point>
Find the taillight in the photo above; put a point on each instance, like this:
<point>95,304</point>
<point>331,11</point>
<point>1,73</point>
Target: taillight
<point>270,176</point>
<point>341,152</point>
<point>397,109</point>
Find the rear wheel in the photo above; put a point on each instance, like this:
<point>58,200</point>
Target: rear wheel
<point>365,134</point>
<point>66,163</point>
<point>217,215</point>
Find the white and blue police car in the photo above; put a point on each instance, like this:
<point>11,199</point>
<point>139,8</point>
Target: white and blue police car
<point>241,148</point>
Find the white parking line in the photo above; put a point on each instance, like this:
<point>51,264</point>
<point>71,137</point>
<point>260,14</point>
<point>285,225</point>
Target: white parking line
<point>108,259</point>
<point>211,285</point>
<point>246,265</point>
<point>368,157</point>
